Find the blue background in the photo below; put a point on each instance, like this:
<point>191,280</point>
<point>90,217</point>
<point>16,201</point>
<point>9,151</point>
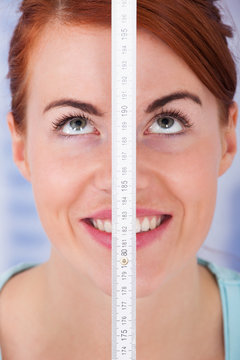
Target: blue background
<point>22,238</point>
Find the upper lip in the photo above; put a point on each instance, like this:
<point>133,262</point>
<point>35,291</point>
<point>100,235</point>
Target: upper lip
<point>107,213</point>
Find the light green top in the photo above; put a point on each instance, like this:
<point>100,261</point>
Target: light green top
<point>229,287</point>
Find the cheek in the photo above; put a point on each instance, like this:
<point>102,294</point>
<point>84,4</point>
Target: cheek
<point>188,177</point>
<point>200,165</point>
<point>194,183</point>
<point>61,163</point>
<point>60,177</point>
<point>196,170</point>
<point>184,183</point>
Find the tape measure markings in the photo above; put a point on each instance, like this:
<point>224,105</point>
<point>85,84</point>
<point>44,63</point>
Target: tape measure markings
<point>123,179</point>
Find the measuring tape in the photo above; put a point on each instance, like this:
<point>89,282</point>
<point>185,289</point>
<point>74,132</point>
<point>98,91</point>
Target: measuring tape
<point>124,179</point>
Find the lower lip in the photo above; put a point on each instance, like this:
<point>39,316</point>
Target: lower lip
<point>142,239</point>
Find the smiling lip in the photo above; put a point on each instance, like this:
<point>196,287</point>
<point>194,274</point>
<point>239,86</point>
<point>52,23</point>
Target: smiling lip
<point>142,239</point>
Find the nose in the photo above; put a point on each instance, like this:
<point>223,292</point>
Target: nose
<point>103,170</point>
<point>142,178</point>
<point>143,172</point>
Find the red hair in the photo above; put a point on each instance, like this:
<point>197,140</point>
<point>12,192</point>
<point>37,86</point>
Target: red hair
<point>192,28</point>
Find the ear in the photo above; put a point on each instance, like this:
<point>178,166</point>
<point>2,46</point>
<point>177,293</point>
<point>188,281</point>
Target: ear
<point>229,139</point>
<point>18,147</point>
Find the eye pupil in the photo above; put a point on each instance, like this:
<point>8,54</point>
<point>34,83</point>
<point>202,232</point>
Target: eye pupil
<point>165,122</point>
<point>77,124</point>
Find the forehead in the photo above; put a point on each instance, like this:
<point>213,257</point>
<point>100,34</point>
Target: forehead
<point>75,61</point>
<point>68,61</point>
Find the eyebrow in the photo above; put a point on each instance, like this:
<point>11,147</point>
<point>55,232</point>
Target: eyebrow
<point>86,107</point>
<point>171,97</point>
<point>91,109</point>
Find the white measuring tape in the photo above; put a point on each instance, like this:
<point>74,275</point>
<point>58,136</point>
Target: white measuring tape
<point>124,179</point>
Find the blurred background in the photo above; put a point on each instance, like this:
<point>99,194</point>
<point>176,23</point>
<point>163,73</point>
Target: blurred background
<point>22,238</point>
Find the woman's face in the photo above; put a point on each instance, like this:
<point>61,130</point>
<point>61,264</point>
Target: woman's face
<point>181,151</point>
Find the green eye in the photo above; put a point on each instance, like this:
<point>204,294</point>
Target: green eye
<point>77,124</point>
<point>165,122</point>
<point>166,125</point>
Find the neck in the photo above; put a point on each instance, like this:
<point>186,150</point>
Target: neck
<point>169,314</point>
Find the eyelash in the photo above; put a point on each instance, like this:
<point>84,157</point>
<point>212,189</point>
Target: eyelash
<point>62,120</point>
<point>176,114</point>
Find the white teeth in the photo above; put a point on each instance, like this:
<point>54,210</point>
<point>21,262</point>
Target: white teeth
<point>108,226</point>
<point>145,225</point>
<point>153,223</point>
<point>138,226</point>
<point>159,220</point>
<point>100,225</point>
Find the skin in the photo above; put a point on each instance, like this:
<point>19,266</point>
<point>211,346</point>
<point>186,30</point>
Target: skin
<point>71,179</point>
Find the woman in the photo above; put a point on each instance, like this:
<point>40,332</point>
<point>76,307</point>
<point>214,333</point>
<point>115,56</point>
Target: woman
<point>59,67</point>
